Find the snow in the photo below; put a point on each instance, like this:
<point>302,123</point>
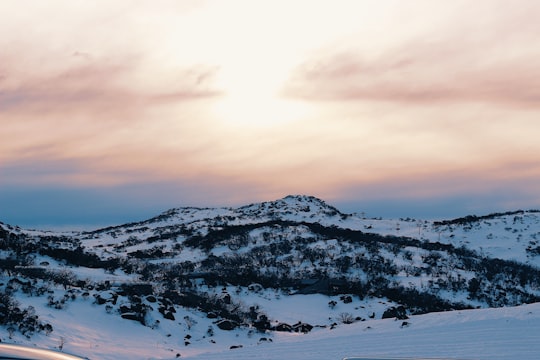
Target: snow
<point>478,334</point>
<point>502,333</point>
<point>506,237</point>
<point>87,329</point>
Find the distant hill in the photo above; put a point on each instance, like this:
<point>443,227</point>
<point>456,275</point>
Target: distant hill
<point>240,268</point>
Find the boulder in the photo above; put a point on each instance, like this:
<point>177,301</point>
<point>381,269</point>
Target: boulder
<point>255,287</point>
<point>130,316</point>
<point>211,315</point>
<point>400,313</point>
<point>284,327</point>
<point>226,324</point>
<point>302,327</point>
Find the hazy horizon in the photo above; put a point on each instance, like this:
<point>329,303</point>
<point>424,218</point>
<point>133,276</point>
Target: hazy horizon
<point>95,217</point>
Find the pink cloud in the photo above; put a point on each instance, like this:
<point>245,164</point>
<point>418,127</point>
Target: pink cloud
<point>94,111</point>
<point>95,86</point>
<point>486,57</point>
<point>417,78</point>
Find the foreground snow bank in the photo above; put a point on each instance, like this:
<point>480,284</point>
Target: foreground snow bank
<point>503,333</point>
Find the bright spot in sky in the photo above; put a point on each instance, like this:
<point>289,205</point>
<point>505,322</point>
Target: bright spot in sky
<point>253,110</point>
<point>251,98</point>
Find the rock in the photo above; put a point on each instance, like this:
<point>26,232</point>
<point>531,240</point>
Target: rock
<point>168,315</point>
<point>130,316</point>
<point>227,324</point>
<point>396,312</point>
<point>226,298</point>
<point>302,327</point>
<point>284,327</point>
<point>255,287</point>
<point>211,315</point>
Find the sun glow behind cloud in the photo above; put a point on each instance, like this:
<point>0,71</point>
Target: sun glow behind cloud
<point>250,83</point>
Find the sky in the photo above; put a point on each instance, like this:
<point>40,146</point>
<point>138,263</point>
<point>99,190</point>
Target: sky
<point>114,111</point>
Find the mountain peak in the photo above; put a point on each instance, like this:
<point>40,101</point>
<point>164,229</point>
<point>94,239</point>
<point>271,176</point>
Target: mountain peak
<point>310,201</point>
<point>297,206</point>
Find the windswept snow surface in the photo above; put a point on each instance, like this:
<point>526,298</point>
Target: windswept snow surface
<point>510,333</point>
<point>502,333</point>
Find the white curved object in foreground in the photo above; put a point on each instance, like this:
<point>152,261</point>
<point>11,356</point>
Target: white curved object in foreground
<point>8,351</point>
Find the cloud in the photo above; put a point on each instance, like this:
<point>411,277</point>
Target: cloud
<point>95,109</point>
<point>417,77</point>
<point>96,86</point>
<point>486,60</point>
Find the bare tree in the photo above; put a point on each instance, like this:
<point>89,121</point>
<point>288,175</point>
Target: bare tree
<point>346,318</point>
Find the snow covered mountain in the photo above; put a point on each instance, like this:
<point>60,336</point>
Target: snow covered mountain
<point>203,280</point>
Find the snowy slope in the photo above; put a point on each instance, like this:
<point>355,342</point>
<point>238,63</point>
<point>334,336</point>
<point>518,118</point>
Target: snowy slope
<point>510,333</point>
<point>501,236</point>
<point>504,333</point>
<point>158,288</point>
<point>509,237</point>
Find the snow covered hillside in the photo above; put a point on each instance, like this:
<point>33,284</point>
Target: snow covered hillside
<point>293,276</point>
